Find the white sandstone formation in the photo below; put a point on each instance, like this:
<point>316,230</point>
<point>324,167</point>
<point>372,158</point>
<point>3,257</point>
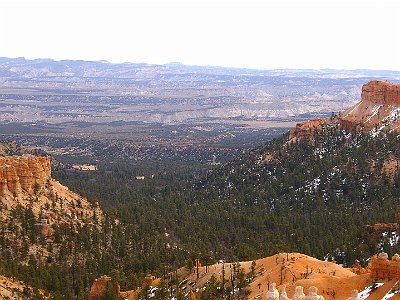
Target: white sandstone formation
<point>273,293</point>
<point>299,294</point>
<point>283,295</point>
<point>313,294</point>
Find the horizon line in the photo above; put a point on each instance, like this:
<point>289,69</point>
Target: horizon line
<point>177,63</point>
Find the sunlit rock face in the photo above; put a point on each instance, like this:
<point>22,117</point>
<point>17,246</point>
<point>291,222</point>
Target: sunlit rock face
<point>381,92</point>
<point>378,110</point>
<point>19,174</point>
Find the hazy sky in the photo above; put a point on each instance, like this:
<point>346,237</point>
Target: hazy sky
<point>257,34</point>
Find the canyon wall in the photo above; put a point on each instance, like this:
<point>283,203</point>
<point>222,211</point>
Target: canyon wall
<point>19,174</point>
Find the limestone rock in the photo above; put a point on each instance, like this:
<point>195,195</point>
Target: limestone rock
<point>380,267</point>
<point>383,256</point>
<point>299,294</point>
<point>379,108</point>
<point>272,293</point>
<point>101,286</point>
<point>396,258</point>
<point>313,294</point>
<point>306,130</point>
<point>283,295</point>
<point>381,92</point>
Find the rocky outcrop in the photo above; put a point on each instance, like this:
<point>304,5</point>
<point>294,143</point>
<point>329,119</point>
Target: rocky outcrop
<point>299,294</point>
<point>19,174</point>
<point>379,110</point>
<point>307,130</point>
<point>381,267</point>
<point>313,294</point>
<point>379,228</point>
<point>381,92</point>
<point>102,286</point>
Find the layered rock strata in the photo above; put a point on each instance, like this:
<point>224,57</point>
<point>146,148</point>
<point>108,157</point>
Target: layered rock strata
<point>19,174</point>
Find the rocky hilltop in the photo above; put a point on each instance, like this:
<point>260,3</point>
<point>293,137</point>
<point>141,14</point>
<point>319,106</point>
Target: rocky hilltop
<point>382,92</point>
<point>21,175</point>
<point>378,110</point>
<point>26,180</point>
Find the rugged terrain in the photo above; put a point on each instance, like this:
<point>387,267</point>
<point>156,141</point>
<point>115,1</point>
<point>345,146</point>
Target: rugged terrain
<point>253,278</point>
<point>319,194</point>
<point>39,216</point>
<point>26,181</point>
<point>377,111</point>
<point>79,108</point>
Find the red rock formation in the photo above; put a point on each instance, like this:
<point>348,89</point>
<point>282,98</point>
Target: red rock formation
<point>3,185</point>
<point>44,228</point>
<point>379,109</point>
<point>381,92</point>
<point>307,129</point>
<point>100,287</point>
<point>382,268</point>
<point>20,174</point>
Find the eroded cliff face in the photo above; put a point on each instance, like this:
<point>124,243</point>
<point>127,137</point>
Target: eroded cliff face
<point>378,110</point>
<point>381,92</point>
<point>19,174</point>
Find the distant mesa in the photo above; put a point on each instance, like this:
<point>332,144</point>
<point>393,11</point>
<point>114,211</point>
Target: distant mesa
<point>378,110</point>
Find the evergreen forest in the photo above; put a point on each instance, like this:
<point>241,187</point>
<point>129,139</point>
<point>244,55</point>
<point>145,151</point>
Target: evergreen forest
<point>314,197</point>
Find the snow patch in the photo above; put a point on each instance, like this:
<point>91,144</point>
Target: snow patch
<point>375,110</point>
<point>367,291</point>
<point>353,108</point>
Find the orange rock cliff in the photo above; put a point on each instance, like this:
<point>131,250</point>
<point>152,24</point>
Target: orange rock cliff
<point>381,92</point>
<point>19,174</point>
<point>379,109</point>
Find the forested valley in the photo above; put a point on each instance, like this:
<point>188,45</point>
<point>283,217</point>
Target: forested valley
<point>309,197</point>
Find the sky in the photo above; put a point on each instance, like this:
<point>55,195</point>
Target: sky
<point>269,34</point>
